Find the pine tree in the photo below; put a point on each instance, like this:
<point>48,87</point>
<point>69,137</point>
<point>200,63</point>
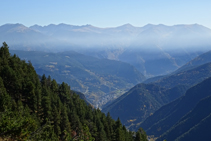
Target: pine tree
<point>54,86</point>
<point>111,122</point>
<point>43,81</point>
<point>5,55</point>
<point>141,135</point>
<point>65,124</point>
<point>56,121</point>
<point>46,105</point>
<point>34,109</point>
<point>5,99</point>
<point>118,131</point>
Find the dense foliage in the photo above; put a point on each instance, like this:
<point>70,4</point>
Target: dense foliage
<point>34,109</point>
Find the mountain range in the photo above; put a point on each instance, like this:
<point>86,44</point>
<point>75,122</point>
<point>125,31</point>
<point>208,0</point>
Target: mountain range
<point>109,65</point>
<point>149,48</point>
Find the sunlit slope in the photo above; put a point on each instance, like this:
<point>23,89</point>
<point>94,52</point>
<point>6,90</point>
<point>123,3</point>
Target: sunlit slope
<point>94,77</point>
<point>141,101</point>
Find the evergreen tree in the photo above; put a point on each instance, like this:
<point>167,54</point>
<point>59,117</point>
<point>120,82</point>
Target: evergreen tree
<point>56,121</point>
<point>34,109</point>
<point>5,99</point>
<point>54,86</point>
<point>43,81</point>
<point>118,131</point>
<point>46,105</point>
<point>5,55</point>
<point>65,124</point>
<point>141,135</point>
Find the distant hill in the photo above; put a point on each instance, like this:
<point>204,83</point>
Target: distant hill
<point>187,77</point>
<point>141,101</point>
<point>191,65</point>
<point>200,60</point>
<point>152,49</point>
<point>147,98</point>
<point>182,115</point>
<point>96,78</point>
<point>22,37</point>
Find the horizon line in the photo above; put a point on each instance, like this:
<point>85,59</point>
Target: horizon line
<point>127,24</point>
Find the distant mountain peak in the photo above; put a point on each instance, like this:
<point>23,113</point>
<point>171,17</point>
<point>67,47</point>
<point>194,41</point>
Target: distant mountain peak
<point>87,25</point>
<point>13,25</point>
<point>35,26</point>
<point>155,25</point>
<point>16,27</point>
<point>149,25</point>
<point>126,26</point>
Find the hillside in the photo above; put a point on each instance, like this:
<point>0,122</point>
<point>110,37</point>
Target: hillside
<point>34,109</point>
<point>187,77</point>
<point>99,79</point>
<point>193,126</point>
<point>172,114</point>
<point>200,60</point>
<point>194,63</point>
<point>140,102</point>
<point>147,98</point>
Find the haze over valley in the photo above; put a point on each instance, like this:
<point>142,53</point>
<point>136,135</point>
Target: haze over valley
<point>105,70</point>
<point>134,73</point>
<point>149,51</point>
<point>165,48</point>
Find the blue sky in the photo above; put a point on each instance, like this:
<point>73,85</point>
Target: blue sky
<point>106,13</point>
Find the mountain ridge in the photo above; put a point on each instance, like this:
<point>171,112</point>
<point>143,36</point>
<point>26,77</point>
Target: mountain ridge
<point>148,48</point>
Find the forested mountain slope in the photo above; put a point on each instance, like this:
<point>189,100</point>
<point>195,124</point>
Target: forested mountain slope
<point>141,101</point>
<point>172,116</point>
<point>144,99</point>
<point>31,109</point>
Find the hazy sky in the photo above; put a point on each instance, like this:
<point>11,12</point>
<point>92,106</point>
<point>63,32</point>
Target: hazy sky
<point>106,13</point>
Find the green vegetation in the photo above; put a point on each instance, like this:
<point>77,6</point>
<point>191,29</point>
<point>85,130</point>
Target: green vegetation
<point>40,109</point>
